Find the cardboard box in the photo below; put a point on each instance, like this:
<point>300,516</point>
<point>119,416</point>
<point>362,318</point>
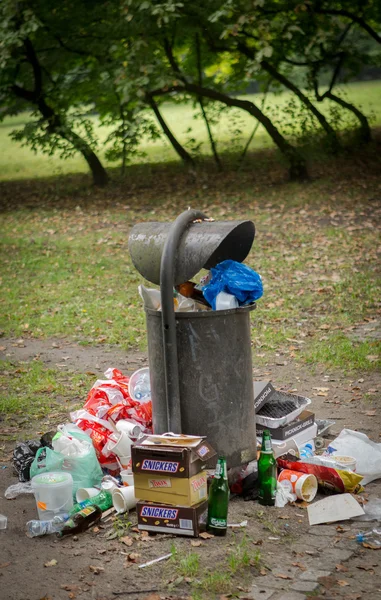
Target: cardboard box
<point>171,490</point>
<point>306,419</point>
<point>176,456</point>
<point>263,390</point>
<point>179,520</point>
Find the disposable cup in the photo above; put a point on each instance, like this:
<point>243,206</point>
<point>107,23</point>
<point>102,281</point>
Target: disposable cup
<point>127,477</point>
<point>85,493</point>
<point>123,446</point>
<point>124,499</point>
<point>132,429</point>
<point>125,463</point>
<point>347,462</point>
<point>302,484</point>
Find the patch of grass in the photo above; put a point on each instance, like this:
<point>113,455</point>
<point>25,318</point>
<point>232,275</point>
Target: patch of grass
<point>33,390</point>
<point>188,565</point>
<point>241,557</point>
<point>217,582</point>
<point>342,353</point>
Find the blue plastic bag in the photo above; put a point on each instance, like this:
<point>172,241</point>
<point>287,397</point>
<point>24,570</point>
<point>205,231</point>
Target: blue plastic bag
<point>234,278</point>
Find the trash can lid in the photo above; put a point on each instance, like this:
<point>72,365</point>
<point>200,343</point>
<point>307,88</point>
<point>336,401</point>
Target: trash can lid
<point>203,245</point>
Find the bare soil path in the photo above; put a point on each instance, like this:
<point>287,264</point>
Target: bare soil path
<point>296,561</point>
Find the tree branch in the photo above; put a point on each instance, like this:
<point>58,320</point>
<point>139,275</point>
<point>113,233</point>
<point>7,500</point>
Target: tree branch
<point>348,15</point>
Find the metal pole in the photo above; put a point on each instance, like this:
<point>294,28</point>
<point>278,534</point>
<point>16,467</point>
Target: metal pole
<point>167,276</point>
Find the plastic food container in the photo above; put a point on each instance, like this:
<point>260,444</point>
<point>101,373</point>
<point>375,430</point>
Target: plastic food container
<point>53,493</point>
<point>281,409</point>
<point>302,484</point>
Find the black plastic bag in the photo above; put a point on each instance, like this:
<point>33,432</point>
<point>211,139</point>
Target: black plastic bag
<point>24,453</point>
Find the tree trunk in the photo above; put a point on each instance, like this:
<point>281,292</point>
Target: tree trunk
<point>365,131</point>
<point>331,134</point>
<point>205,116</point>
<point>183,154</point>
<point>298,167</point>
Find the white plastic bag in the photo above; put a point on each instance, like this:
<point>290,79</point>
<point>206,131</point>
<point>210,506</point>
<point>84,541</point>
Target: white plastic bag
<point>366,453</point>
<point>283,495</point>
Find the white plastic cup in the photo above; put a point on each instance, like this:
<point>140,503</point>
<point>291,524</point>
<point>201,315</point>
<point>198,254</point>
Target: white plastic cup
<point>134,430</point>
<point>109,485</point>
<point>346,462</point>
<point>127,477</point>
<point>86,493</point>
<point>125,463</point>
<point>123,446</point>
<point>53,493</point>
<point>124,499</point>
<point>303,485</point>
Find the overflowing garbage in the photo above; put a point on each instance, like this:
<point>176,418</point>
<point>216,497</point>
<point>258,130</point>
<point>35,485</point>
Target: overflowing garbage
<point>107,458</point>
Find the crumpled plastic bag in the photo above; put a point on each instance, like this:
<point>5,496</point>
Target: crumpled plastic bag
<point>283,495</point>
<point>16,489</point>
<point>233,278</point>
<point>366,453</point>
<point>85,469</point>
<point>24,453</point>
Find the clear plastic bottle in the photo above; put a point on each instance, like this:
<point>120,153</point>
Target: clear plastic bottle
<point>373,538</point>
<point>142,390</point>
<point>36,528</point>
<point>306,451</point>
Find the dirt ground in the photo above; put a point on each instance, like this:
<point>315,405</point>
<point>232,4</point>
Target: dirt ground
<point>296,561</point>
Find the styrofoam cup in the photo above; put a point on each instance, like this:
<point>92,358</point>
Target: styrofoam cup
<point>124,499</point>
<point>132,429</point>
<point>85,493</point>
<point>127,477</point>
<point>303,485</point>
<point>123,446</point>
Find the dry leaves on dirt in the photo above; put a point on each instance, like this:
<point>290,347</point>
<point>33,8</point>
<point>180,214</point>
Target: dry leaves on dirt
<point>51,563</point>
<point>342,582</point>
<point>95,569</point>
<point>196,543</point>
<point>341,568</point>
<point>132,557</point>
<point>127,540</point>
<point>282,576</point>
<point>205,535</point>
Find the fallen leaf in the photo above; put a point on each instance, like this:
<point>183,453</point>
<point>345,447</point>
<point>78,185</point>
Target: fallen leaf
<point>152,597</point>
<point>95,569</point>
<point>283,517</point>
<point>262,571</point>
<point>69,588</point>
<point>342,582</point>
<point>258,543</point>
<point>299,565</point>
<point>370,570</point>
<point>372,357</point>
<point>341,568</point>
<point>51,563</point>
<point>2,348</point>
<point>370,413</point>
<point>133,557</point>
<point>127,540</point>
<point>370,546</point>
<point>281,576</point>
<point>205,535</point>
<point>196,543</point>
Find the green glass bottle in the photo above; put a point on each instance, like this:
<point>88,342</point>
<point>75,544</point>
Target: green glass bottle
<point>218,502</point>
<point>267,472</point>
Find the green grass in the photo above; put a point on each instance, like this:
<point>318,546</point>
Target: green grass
<point>17,162</point>
<point>34,396</point>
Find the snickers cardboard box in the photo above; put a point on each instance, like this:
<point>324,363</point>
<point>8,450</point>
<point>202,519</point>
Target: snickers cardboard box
<point>171,490</point>
<point>179,520</point>
<point>263,391</point>
<point>304,420</point>
<point>169,455</point>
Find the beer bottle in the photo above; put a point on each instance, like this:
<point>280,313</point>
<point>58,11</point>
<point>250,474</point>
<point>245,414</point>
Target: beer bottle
<point>219,500</point>
<point>82,520</point>
<point>266,472</point>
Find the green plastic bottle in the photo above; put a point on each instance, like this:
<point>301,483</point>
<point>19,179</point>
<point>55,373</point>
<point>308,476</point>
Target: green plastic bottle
<point>103,500</point>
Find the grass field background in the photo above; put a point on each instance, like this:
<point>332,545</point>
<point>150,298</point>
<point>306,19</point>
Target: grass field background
<point>19,162</point>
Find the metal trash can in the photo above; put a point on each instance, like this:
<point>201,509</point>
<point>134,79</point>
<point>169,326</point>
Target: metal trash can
<point>213,348</point>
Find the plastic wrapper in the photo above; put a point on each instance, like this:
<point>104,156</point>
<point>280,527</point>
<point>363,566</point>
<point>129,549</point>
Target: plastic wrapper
<point>233,278</point>
<point>108,402</point>
<point>283,495</point>
<point>330,479</point>
<point>366,452</point>
<point>243,478</point>
<point>18,488</point>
